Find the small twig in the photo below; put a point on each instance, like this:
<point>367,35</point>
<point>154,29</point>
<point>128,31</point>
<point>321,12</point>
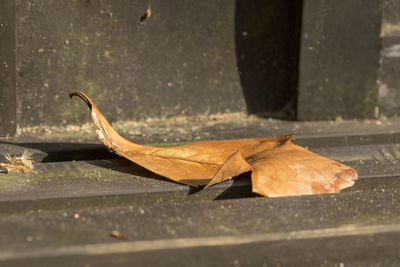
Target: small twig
<point>118,235</point>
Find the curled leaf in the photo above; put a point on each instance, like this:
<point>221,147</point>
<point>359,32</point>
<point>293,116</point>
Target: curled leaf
<point>279,167</point>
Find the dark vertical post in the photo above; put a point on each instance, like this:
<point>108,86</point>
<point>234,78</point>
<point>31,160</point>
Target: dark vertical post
<point>339,59</point>
<point>389,78</point>
<point>267,45</point>
<point>7,68</point>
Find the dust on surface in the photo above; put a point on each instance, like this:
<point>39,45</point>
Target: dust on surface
<point>181,129</point>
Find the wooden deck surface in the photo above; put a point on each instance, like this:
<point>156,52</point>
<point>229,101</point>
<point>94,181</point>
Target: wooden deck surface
<point>64,212</point>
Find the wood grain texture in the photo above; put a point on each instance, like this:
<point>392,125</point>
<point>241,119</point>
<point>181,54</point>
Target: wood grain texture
<point>7,68</point>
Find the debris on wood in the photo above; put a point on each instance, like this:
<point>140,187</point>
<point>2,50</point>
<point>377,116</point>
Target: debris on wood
<point>146,15</point>
<point>116,234</point>
<point>23,163</point>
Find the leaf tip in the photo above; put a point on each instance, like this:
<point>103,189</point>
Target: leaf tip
<point>82,96</point>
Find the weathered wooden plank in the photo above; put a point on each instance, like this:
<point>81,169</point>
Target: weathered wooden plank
<point>8,105</point>
<point>64,213</point>
<point>183,60</point>
<point>389,78</point>
<point>339,59</point>
<point>377,249</point>
<point>366,250</point>
<point>68,179</point>
<point>289,222</point>
<point>66,145</point>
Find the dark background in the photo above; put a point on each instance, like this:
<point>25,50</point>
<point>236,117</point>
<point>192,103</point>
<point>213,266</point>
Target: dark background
<point>188,58</point>
<point>307,60</point>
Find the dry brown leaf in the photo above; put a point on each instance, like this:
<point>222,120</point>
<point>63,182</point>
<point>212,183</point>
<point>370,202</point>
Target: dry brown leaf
<point>279,167</point>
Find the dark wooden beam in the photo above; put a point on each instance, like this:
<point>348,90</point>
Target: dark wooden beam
<point>339,59</point>
<point>7,68</point>
<point>389,78</point>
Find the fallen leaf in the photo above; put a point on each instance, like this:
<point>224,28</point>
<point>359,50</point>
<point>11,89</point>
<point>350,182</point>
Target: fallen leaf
<point>279,167</point>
